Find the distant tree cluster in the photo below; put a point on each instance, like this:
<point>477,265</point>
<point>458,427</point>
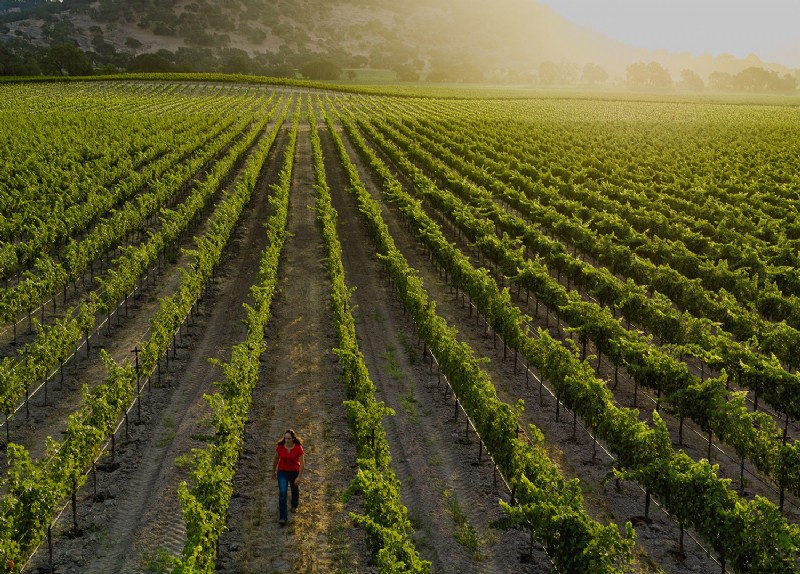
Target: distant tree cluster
<point>690,80</point>
<point>205,26</point>
<point>648,76</point>
<point>58,60</point>
<point>448,69</point>
<point>552,74</point>
<point>594,75</point>
<point>753,79</point>
<point>15,61</point>
<point>236,61</point>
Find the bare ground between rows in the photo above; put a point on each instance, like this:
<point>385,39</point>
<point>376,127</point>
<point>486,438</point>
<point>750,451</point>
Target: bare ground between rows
<point>451,495</point>
<point>657,536</point>
<point>134,523</point>
<point>299,388</point>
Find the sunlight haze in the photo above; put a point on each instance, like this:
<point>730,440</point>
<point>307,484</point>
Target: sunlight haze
<point>767,28</point>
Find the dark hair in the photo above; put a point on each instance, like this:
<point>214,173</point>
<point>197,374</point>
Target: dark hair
<point>296,438</point>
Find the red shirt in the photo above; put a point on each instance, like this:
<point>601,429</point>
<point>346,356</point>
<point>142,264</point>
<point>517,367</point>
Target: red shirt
<point>289,459</point>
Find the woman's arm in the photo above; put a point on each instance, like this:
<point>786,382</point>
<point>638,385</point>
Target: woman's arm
<point>275,465</point>
<point>302,460</point>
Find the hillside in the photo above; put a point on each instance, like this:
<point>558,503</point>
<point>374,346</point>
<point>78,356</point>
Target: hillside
<point>515,41</point>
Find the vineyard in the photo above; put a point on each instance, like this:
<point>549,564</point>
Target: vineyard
<point>522,335</point>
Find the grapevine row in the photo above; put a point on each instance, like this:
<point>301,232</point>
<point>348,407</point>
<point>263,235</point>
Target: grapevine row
<point>694,337</point>
<point>663,265</point>
<point>83,198</point>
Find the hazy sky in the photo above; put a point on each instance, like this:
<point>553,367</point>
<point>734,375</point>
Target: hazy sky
<point>768,28</point>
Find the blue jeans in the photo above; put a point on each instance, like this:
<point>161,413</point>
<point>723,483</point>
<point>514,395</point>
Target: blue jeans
<point>287,478</point>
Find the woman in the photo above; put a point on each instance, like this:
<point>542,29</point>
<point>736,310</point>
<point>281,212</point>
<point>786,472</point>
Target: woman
<point>287,468</point>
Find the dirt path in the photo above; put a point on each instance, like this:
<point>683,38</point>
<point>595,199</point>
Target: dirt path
<point>299,389</point>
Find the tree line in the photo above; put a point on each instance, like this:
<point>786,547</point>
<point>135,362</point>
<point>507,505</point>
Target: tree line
<point>654,76</point>
<point>751,79</point>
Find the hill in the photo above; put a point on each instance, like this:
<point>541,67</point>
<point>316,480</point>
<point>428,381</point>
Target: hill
<point>505,41</point>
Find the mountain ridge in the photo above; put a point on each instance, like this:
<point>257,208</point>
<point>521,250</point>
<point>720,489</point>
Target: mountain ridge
<point>507,41</point>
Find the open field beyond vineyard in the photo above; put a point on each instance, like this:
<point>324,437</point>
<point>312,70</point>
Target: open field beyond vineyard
<point>520,335</point>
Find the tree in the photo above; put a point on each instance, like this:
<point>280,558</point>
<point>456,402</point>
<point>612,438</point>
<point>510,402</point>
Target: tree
<point>320,69</point>
<point>658,76</point>
<point>102,47</point>
<point>132,43</point>
<point>551,73</point>
<point>253,34</point>
<point>468,71</point>
<point>446,69</point>
<point>720,81</point>
<point>405,72</point>
<point>13,63</point>
<point>279,71</point>
<point>193,59</point>
<point>651,76</point>
<point>236,61</point>
<point>151,63</point>
<point>760,80</point>
<point>637,75</point>
<point>197,36</point>
<point>67,59</point>
<point>594,74</point>
<point>755,79</point>
<point>548,73</point>
<point>690,80</point>
<point>788,83</point>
